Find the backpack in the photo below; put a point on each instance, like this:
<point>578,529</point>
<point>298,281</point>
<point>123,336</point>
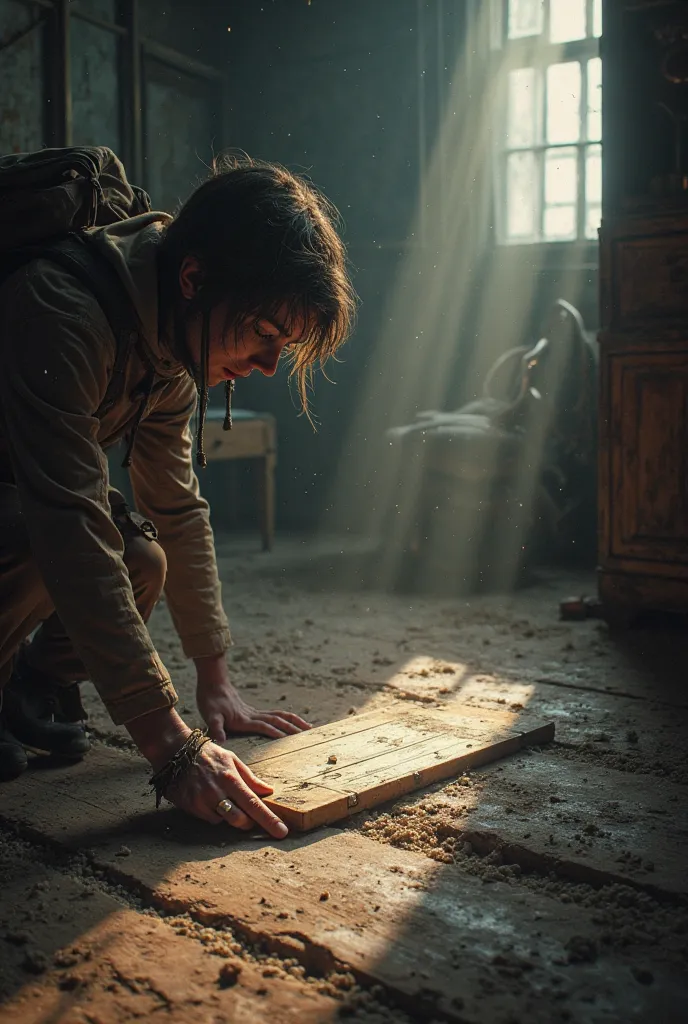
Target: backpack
<point>48,201</point>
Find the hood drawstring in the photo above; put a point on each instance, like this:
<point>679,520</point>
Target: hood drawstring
<point>229,390</point>
<point>146,389</point>
<point>202,386</point>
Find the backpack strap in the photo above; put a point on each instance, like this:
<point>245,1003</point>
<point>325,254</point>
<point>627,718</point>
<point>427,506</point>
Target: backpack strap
<point>79,257</point>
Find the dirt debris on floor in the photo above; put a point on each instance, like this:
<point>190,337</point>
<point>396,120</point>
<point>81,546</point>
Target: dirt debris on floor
<point>81,947</point>
<point>627,917</point>
<point>586,835</point>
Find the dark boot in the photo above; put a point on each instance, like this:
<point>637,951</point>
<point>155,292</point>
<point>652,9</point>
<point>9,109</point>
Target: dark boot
<point>12,756</point>
<point>44,716</point>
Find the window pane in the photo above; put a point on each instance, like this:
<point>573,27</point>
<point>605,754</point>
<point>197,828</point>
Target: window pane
<point>566,20</point>
<point>563,102</point>
<point>521,118</point>
<point>593,218</point>
<point>593,175</point>
<point>594,127</point>
<point>560,223</point>
<point>561,176</point>
<point>597,18</point>
<point>521,195</point>
<point>525,18</point>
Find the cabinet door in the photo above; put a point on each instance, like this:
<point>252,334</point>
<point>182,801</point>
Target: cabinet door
<point>648,456</point>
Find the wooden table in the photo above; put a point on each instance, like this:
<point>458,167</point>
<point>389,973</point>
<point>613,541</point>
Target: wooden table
<point>253,436</point>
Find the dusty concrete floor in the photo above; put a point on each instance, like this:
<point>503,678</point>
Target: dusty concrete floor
<point>549,886</point>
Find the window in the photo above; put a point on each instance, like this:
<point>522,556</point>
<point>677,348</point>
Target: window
<point>549,162</point>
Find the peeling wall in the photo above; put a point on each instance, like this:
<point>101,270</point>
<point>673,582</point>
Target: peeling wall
<point>21,81</point>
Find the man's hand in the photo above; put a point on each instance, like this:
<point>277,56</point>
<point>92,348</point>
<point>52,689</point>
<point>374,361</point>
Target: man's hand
<point>225,712</point>
<point>217,775</point>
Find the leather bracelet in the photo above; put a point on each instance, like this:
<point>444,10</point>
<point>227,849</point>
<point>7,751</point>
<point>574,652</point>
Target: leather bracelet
<point>185,758</point>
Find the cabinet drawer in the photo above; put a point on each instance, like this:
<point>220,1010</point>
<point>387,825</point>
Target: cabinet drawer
<point>649,280</point>
<point>648,456</point>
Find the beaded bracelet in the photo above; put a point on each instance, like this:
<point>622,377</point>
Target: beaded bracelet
<point>185,758</point>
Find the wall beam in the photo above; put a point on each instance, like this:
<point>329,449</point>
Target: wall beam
<point>131,91</point>
<point>58,78</point>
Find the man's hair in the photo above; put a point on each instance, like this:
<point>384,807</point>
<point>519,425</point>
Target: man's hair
<point>265,238</point>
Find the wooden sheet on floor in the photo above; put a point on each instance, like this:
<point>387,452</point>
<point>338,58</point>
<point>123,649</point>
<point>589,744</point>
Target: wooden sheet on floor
<point>335,770</point>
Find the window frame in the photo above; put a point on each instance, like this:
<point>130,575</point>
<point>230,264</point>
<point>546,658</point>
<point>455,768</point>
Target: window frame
<point>538,53</point>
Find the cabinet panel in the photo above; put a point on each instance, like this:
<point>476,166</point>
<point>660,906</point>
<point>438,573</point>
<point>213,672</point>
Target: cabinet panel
<point>649,456</point>
<point>651,280</point>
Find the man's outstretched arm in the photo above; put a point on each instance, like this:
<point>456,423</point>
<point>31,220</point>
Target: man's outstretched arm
<point>166,490</point>
<point>55,355</point>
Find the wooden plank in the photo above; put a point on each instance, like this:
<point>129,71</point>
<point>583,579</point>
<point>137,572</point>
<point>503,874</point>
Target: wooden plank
<point>297,801</point>
<point>431,934</point>
<point>585,818</point>
<point>435,937</point>
<point>99,800</point>
<point>330,772</point>
<point>463,718</point>
<point>98,961</point>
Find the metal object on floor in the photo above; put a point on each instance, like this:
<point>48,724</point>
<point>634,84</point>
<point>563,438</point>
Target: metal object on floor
<point>575,609</point>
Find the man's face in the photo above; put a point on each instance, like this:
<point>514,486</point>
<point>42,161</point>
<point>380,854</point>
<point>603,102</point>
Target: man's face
<point>257,344</point>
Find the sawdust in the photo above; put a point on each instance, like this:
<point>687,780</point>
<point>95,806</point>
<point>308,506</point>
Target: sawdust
<point>340,985</point>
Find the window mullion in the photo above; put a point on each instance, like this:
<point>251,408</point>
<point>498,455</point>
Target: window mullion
<point>582,150</point>
<point>545,21</point>
<point>501,214</point>
<point>516,55</point>
<point>542,138</point>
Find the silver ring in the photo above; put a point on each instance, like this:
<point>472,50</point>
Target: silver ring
<point>224,807</point>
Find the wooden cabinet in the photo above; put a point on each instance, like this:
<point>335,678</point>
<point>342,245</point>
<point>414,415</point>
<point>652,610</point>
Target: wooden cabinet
<point>643,468</point>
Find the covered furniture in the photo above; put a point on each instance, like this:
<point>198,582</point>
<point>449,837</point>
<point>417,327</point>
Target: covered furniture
<point>491,487</point>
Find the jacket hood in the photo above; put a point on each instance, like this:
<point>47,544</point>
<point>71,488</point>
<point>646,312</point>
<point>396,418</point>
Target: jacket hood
<point>132,248</point>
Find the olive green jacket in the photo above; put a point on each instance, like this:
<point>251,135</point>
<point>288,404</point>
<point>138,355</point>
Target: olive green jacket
<point>56,354</point>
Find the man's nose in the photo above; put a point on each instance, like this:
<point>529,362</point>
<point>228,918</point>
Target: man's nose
<point>268,364</point>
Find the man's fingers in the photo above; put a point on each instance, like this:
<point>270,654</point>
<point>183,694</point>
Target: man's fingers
<point>235,817</point>
<point>263,727</point>
<point>216,728</point>
<point>256,809</point>
<point>251,780</point>
<point>294,719</point>
<point>277,721</point>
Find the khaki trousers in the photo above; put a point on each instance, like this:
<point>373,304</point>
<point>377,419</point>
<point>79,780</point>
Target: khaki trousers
<point>24,602</point>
